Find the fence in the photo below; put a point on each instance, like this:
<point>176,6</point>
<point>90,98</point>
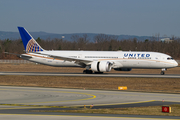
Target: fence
<point>16,61</point>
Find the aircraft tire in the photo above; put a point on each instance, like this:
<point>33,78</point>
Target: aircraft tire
<point>98,72</point>
<point>84,71</point>
<point>87,72</point>
<point>162,73</point>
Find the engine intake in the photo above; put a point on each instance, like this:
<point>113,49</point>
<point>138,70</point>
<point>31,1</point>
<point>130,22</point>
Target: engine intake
<point>102,66</point>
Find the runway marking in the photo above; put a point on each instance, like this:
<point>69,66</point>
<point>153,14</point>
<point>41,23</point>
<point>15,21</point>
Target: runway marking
<point>141,95</point>
<point>169,101</point>
<point>46,106</point>
<point>93,96</point>
<point>120,103</point>
<point>66,100</point>
<point>131,103</point>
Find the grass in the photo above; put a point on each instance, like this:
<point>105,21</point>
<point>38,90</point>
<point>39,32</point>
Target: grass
<point>170,85</point>
<point>151,110</point>
<point>45,68</point>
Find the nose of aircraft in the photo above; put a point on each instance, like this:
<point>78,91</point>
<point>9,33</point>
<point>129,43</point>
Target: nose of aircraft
<point>175,64</point>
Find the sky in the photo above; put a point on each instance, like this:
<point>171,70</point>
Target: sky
<point>116,17</point>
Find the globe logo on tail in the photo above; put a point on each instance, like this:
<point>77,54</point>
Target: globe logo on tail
<point>32,46</point>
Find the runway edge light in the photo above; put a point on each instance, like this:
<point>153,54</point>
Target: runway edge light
<point>122,87</point>
<point>166,109</point>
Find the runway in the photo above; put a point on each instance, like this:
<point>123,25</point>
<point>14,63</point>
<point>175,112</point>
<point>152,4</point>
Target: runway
<point>21,100</point>
<point>92,75</point>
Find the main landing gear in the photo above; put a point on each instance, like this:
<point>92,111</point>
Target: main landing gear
<point>87,71</point>
<point>91,72</point>
<point>98,72</point>
<point>163,71</point>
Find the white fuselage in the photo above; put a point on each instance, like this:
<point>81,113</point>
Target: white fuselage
<point>120,59</point>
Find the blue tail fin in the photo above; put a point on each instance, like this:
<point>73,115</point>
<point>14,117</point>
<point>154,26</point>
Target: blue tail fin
<point>29,42</point>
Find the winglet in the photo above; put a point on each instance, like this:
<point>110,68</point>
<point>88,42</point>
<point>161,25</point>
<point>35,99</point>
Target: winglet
<point>29,42</point>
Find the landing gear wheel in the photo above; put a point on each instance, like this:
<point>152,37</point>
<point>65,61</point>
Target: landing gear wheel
<point>84,72</point>
<point>162,72</point>
<point>98,72</point>
<point>87,72</point>
<point>90,71</point>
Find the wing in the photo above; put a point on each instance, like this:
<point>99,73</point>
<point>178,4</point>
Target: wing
<point>79,61</point>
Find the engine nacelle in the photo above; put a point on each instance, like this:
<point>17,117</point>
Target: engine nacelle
<point>123,69</point>
<point>102,66</point>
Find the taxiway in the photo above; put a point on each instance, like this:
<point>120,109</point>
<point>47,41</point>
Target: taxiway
<point>92,75</point>
<point>21,100</point>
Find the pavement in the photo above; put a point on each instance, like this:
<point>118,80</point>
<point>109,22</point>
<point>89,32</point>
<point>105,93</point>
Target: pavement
<point>19,102</point>
<point>79,117</point>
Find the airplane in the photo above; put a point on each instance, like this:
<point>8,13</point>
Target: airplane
<point>94,61</point>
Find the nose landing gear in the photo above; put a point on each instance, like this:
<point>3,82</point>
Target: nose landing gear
<point>163,71</point>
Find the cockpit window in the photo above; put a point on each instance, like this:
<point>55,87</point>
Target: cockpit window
<point>170,58</point>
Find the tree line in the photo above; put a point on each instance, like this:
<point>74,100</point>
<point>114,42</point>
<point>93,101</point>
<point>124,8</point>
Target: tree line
<point>100,42</point>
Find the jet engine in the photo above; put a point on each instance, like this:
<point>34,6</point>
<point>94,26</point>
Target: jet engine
<point>101,66</point>
<point>123,69</point>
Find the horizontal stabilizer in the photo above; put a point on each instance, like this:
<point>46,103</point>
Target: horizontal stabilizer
<point>18,55</point>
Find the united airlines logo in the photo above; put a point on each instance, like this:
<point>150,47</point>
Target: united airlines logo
<point>32,46</point>
<point>137,56</point>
